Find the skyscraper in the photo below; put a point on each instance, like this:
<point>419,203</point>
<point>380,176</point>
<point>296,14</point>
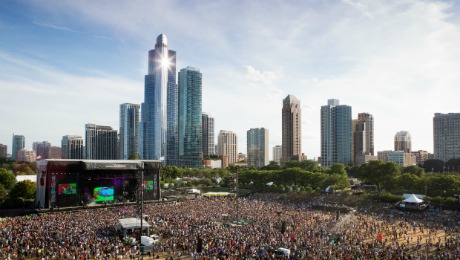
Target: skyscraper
<point>227,146</point>
<point>72,147</point>
<point>363,135</point>
<point>129,130</point>
<point>3,150</point>
<point>209,146</point>
<point>403,142</point>
<point>291,129</point>
<point>257,147</point>
<point>336,137</point>
<point>446,136</point>
<point>19,142</point>
<point>42,149</point>
<point>159,110</point>
<point>277,153</point>
<point>190,124</point>
<point>101,142</point>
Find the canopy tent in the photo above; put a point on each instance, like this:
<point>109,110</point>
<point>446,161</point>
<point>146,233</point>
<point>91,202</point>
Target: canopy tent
<point>131,224</point>
<point>412,199</point>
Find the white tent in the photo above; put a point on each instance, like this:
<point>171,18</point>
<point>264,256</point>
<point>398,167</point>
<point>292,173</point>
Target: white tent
<point>413,199</point>
<point>131,223</point>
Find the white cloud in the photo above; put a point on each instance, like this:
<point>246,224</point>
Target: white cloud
<point>265,77</point>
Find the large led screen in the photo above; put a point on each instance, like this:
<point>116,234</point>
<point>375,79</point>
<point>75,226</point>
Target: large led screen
<point>67,189</point>
<point>102,194</point>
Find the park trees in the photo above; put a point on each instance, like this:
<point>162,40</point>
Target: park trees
<point>7,179</point>
<point>380,173</point>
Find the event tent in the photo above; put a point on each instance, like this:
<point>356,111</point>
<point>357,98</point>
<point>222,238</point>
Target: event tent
<point>412,199</point>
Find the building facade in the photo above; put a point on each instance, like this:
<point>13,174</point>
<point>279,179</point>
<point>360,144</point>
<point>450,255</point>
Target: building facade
<point>26,155</point>
<point>55,152</point>
<point>3,151</point>
<point>19,142</point>
<point>42,149</point>
<point>159,109</point>
<point>336,134</point>
<point>72,147</point>
<point>420,157</point>
<point>291,129</point>
<point>209,146</point>
<point>190,118</point>
<point>129,131</point>
<point>277,153</point>
<point>363,137</point>
<point>446,136</point>
<point>101,142</point>
<point>401,158</point>
<point>403,142</point>
<point>227,147</point>
<point>257,147</point>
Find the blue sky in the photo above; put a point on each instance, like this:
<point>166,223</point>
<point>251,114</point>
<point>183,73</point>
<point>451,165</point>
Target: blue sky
<point>67,63</point>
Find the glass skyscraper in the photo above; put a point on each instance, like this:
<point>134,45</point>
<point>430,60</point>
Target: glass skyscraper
<point>158,115</point>
<point>101,142</point>
<point>190,118</point>
<point>207,122</point>
<point>446,136</point>
<point>19,142</point>
<point>129,130</point>
<point>257,147</point>
<point>336,134</point>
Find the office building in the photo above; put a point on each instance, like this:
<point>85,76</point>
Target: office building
<point>190,118</point>
<point>420,157</point>
<point>403,142</point>
<point>159,109</point>
<point>336,134</point>
<point>227,147</point>
<point>291,129</point>
<point>401,158</point>
<point>100,142</point>
<point>129,131</point>
<point>209,146</point>
<point>257,147</point>
<point>19,142</point>
<point>3,151</point>
<point>72,147</point>
<point>277,153</point>
<point>446,136</point>
<point>55,152</point>
<point>363,137</point>
<point>42,149</point>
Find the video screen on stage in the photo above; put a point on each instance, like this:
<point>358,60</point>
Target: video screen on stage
<point>67,189</point>
<point>102,194</point>
<point>148,185</point>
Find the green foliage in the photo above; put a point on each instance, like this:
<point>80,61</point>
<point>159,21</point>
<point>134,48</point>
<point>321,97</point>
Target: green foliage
<point>3,192</point>
<point>134,156</point>
<point>307,165</point>
<point>433,165</point>
<point>24,168</point>
<point>23,189</point>
<point>337,168</point>
<point>272,166</point>
<point>7,179</point>
<point>413,170</point>
<point>380,173</point>
<point>385,197</point>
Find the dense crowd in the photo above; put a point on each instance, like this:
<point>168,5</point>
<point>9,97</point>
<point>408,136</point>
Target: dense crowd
<point>265,224</point>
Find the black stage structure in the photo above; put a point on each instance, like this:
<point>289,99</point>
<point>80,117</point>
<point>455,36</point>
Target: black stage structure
<point>70,183</point>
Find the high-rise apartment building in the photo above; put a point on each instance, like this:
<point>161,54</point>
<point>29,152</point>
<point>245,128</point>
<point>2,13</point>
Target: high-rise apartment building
<point>291,129</point>
<point>72,147</point>
<point>209,146</point>
<point>227,146</point>
<point>100,142</point>
<point>363,136</point>
<point>420,156</point>
<point>336,134</point>
<point>257,147</point>
<point>158,127</point>
<point>401,158</point>
<point>19,142</point>
<point>403,142</point>
<point>129,130</point>
<point>277,153</point>
<point>26,155</point>
<point>3,151</point>
<point>42,149</point>
<point>446,136</point>
<point>190,118</point>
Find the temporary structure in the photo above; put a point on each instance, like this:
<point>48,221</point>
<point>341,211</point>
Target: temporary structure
<point>413,199</point>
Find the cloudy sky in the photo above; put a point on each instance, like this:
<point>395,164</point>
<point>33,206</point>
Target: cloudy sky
<point>65,63</point>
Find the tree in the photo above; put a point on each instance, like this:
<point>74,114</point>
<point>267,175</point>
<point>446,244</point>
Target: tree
<point>271,166</point>
<point>134,156</point>
<point>3,192</point>
<point>413,170</point>
<point>433,165</point>
<point>23,189</point>
<point>380,173</point>
<point>7,179</point>
<point>337,168</point>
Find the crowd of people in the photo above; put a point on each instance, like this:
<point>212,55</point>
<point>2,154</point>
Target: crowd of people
<point>237,228</point>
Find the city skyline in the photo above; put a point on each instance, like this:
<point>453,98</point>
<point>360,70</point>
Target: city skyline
<point>64,64</point>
